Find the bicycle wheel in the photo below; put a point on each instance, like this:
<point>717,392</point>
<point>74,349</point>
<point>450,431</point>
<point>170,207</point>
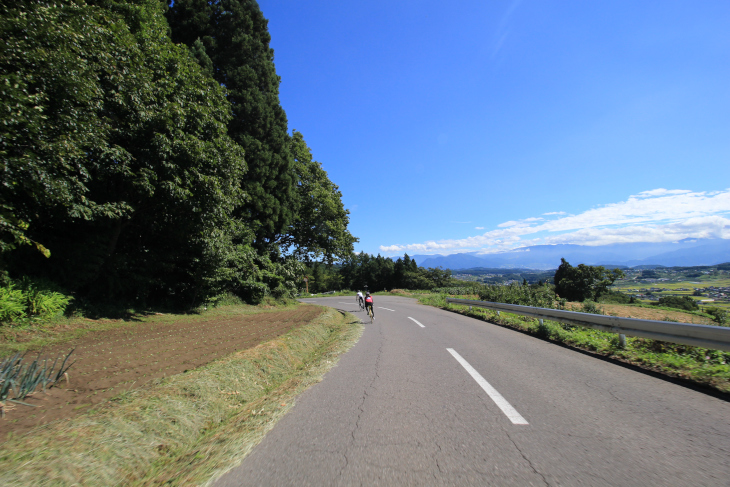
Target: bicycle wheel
<point>370,313</point>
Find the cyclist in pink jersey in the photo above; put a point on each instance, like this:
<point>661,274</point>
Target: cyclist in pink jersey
<point>369,303</point>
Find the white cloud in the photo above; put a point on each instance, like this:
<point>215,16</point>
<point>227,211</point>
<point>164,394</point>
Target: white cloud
<point>659,215</point>
<point>661,192</point>
<point>478,228</point>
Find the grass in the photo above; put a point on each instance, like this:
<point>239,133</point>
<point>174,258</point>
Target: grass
<point>187,429</point>
<point>710,368</point>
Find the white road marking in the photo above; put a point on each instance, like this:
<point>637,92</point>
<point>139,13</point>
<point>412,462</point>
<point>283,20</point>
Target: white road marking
<point>346,303</point>
<point>500,401</point>
<point>386,308</point>
<point>416,321</point>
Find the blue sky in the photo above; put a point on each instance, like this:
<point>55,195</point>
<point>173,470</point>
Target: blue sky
<point>489,125</point>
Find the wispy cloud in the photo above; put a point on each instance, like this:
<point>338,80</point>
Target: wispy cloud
<point>658,215</point>
<point>478,228</point>
<point>503,29</point>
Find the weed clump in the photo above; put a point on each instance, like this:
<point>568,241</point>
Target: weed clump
<point>30,300</point>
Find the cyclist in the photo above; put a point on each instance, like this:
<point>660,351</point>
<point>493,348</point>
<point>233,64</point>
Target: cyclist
<point>369,303</point>
<point>360,299</point>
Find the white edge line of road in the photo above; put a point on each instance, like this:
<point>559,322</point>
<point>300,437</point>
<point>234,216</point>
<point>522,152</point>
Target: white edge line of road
<point>342,302</point>
<point>498,399</point>
<point>416,322</point>
<point>386,308</point>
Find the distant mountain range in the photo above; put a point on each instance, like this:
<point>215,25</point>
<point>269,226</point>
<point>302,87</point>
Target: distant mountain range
<point>688,252</point>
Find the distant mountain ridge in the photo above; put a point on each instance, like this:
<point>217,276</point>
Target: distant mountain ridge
<point>688,252</point>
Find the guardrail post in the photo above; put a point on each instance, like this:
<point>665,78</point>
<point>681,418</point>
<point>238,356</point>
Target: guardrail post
<point>469,308</point>
<point>622,340</point>
<point>541,322</point>
<point>498,313</point>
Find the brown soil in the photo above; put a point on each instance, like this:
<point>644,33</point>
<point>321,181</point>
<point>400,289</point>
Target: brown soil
<point>646,313</point>
<point>114,361</point>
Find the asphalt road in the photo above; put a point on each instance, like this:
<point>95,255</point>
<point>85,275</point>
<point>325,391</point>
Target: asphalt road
<point>401,408</point>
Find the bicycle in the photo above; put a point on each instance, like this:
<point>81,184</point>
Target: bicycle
<point>361,304</point>
<point>370,313</point>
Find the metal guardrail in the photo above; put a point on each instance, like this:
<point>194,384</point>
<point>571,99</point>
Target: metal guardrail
<point>713,337</point>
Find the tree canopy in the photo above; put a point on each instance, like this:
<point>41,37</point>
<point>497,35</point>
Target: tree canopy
<point>584,281</point>
<point>319,228</point>
<point>231,39</point>
<point>380,273</point>
<point>137,169</point>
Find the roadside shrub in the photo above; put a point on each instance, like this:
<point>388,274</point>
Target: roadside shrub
<point>42,299</point>
<point>678,302</point>
<point>719,315</point>
<point>539,296</point>
<point>281,292</point>
<point>31,299</point>
<point>227,299</point>
<point>252,292</point>
<point>12,304</point>
<point>590,307</point>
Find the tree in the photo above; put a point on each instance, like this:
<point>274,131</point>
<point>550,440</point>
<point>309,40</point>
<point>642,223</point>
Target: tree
<point>149,183</point>
<point>583,282</point>
<point>235,37</point>
<point>52,62</point>
<point>679,302</point>
<point>381,273</point>
<point>319,228</point>
<point>438,276</point>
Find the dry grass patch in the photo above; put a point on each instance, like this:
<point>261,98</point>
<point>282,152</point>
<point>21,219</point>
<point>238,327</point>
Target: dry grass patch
<point>643,313</point>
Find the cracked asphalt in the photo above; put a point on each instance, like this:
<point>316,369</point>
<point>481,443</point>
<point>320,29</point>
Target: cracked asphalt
<point>398,409</point>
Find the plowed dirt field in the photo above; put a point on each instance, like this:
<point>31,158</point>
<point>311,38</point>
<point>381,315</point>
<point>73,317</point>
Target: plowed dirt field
<point>110,362</point>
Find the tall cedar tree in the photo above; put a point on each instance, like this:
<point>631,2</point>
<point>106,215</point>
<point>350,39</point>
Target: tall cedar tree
<point>129,176</point>
<point>235,36</point>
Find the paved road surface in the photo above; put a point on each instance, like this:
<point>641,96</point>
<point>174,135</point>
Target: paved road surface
<point>401,408</point>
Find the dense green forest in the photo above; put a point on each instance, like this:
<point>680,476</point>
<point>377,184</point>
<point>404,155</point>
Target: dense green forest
<point>377,273</point>
<point>146,157</point>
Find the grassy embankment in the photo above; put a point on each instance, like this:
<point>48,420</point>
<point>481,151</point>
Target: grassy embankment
<point>185,429</point>
<point>709,368</point>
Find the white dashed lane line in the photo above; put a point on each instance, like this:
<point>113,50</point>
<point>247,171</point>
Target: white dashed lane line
<point>386,308</point>
<point>416,322</point>
<point>498,399</point>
